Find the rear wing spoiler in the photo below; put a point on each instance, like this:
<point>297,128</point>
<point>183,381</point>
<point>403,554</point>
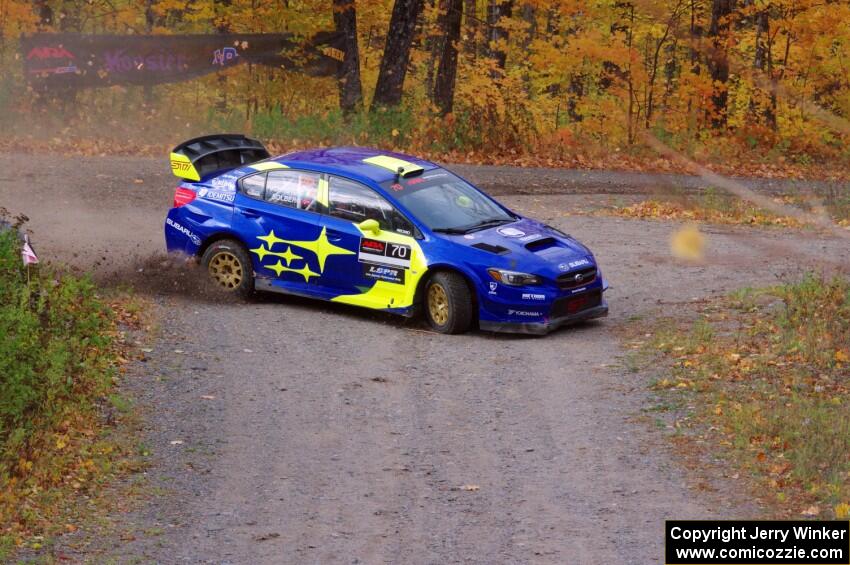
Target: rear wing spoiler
<point>199,157</point>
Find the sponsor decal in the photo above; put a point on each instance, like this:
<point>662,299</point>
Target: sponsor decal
<point>493,286</point>
<point>524,313</point>
<point>530,237</point>
<point>573,265</point>
<point>216,195</point>
<point>529,296</point>
<point>582,289</point>
<point>403,231</point>
<point>224,181</point>
<point>469,236</point>
<point>384,253</point>
<point>42,53</point>
<point>224,56</point>
<point>184,230</point>
<point>119,61</point>
<point>383,273</point>
<point>55,70</point>
<point>511,232</point>
<point>430,176</point>
<point>397,187</point>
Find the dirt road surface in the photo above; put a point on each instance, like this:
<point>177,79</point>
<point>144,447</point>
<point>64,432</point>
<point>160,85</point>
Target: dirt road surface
<point>328,434</point>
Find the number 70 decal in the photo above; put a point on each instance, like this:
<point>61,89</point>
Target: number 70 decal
<point>384,253</point>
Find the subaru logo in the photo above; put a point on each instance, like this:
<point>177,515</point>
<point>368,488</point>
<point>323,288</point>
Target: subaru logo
<point>579,277</point>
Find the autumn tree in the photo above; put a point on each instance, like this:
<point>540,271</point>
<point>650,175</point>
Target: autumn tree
<point>497,13</point>
<point>718,58</point>
<point>396,55</point>
<point>348,79</point>
<point>444,85</point>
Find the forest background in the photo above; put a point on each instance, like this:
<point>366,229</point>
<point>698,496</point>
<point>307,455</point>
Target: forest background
<point>747,86</point>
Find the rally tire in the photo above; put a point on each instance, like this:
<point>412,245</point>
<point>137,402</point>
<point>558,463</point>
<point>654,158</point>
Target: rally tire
<point>448,303</point>
<point>229,267</point>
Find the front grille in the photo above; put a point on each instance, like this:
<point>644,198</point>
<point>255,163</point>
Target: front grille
<point>576,279</point>
<point>572,305</point>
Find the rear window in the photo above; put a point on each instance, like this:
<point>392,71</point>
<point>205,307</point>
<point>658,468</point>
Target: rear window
<point>255,185</point>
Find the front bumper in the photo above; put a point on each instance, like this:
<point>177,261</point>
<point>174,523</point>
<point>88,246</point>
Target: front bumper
<point>543,328</point>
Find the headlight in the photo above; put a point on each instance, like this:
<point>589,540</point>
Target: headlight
<point>513,278</point>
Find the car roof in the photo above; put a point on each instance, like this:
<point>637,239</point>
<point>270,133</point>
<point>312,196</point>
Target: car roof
<point>350,161</point>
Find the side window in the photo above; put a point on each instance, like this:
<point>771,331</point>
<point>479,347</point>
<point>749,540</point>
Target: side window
<point>354,202</point>
<point>254,186</point>
<point>294,189</point>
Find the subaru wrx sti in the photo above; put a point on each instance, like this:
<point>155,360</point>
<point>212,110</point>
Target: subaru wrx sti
<point>375,229</point>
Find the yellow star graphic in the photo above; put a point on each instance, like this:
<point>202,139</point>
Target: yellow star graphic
<point>261,251</point>
<point>271,239</point>
<point>289,256</point>
<point>321,247</point>
<point>303,271</point>
<point>278,269</point>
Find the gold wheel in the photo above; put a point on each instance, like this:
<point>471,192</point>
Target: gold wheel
<point>438,304</point>
<point>226,269</point>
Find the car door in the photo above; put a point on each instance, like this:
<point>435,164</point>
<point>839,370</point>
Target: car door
<point>277,214</point>
<point>370,269</point>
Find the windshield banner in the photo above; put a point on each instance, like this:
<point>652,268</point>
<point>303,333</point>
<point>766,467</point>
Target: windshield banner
<point>81,61</point>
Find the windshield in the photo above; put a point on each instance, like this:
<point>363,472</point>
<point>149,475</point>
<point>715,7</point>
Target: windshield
<point>446,203</point>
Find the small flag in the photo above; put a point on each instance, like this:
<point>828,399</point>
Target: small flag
<point>27,253</point>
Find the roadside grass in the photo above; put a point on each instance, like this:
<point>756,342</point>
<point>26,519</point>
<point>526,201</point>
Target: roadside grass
<point>764,376</point>
<point>714,207</point>
<point>64,430</point>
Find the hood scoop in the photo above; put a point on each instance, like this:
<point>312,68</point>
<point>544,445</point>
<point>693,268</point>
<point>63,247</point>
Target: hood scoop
<point>541,244</point>
<point>497,249</point>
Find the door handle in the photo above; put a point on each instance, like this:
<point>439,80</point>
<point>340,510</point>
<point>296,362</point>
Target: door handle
<point>249,213</point>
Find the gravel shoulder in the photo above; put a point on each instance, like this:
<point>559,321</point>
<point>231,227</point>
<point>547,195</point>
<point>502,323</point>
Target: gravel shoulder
<point>315,432</point>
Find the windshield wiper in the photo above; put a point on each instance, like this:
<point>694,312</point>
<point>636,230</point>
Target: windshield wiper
<point>488,224</point>
<point>475,227</point>
<point>451,231</point>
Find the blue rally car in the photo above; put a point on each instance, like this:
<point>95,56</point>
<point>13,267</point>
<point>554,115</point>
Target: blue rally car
<point>376,229</point>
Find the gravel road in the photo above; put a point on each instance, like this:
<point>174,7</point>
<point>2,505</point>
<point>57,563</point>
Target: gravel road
<point>319,433</point>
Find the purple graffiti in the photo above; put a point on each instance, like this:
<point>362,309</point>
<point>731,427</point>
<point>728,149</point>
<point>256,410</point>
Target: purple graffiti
<point>120,61</point>
<point>223,56</point>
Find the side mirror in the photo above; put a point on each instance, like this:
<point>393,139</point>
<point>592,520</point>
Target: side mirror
<point>370,226</point>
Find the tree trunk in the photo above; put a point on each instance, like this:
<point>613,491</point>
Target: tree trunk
<point>396,53</point>
<point>763,62</point>
<point>497,34</point>
<point>472,27</point>
<point>444,86</point>
<point>434,46</point>
<point>718,59</point>
<point>348,79</point>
